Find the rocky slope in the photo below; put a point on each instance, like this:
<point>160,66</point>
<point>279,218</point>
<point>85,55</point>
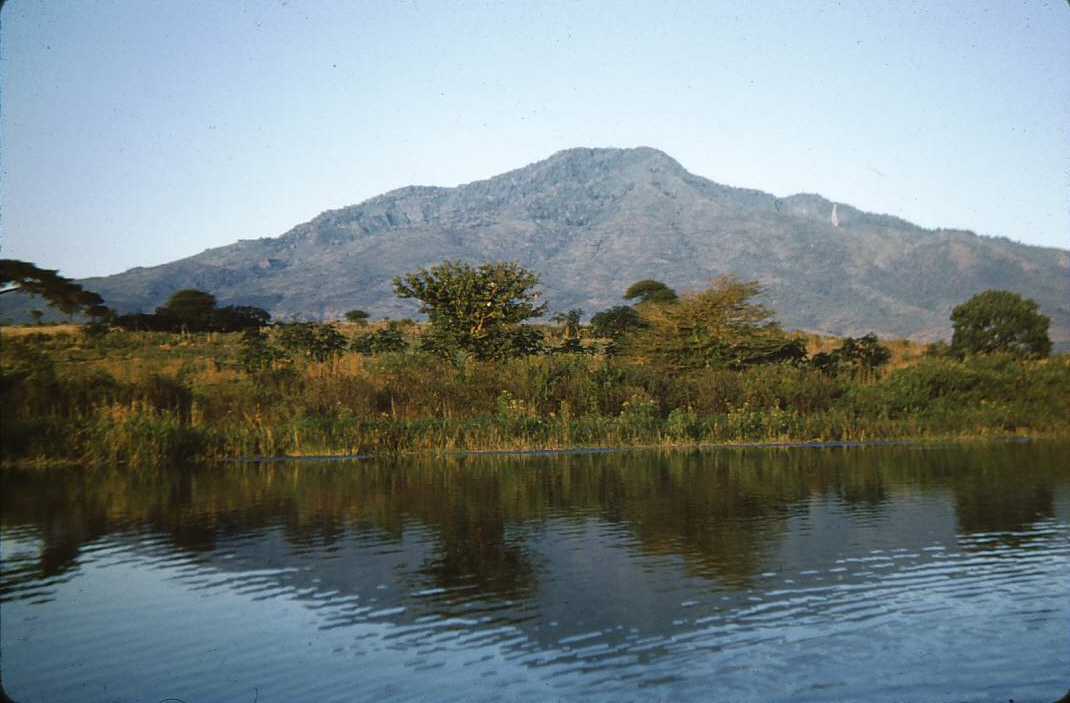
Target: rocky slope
<point>592,221</point>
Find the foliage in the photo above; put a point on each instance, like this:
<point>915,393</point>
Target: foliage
<point>359,317</point>
<point>236,318</point>
<point>152,397</point>
<point>61,293</point>
<point>315,341</point>
<point>569,321</point>
<point>569,332</point>
<point>718,327</point>
<point>257,353</point>
<point>650,291</point>
<point>384,341</point>
<point>615,322</point>
<point>999,321</point>
<point>475,310</point>
<point>192,310</point>
<point>861,354</point>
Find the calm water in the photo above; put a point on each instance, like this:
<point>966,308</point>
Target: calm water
<point>880,574</point>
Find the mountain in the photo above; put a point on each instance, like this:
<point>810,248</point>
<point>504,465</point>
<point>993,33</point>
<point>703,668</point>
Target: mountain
<point>593,221</point>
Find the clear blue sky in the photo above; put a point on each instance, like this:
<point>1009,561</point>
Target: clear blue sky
<point>137,132</point>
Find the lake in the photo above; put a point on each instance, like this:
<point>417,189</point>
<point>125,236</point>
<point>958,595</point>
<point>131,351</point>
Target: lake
<point>890,573</point>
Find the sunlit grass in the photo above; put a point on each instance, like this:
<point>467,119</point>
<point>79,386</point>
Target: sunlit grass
<point>153,398</point>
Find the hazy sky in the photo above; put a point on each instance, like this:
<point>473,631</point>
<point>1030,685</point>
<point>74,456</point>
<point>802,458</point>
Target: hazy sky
<point>137,132</point>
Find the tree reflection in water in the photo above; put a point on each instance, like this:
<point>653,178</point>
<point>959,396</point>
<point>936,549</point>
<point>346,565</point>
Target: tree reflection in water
<point>721,512</point>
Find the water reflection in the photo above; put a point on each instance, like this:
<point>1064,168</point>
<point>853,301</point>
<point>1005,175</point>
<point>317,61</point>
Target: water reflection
<point>642,568</point>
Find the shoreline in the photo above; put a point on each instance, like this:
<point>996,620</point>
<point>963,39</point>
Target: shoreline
<point>914,442</point>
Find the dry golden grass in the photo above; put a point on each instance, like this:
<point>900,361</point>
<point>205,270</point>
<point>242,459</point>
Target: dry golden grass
<point>904,351</point>
<point>23,330</point>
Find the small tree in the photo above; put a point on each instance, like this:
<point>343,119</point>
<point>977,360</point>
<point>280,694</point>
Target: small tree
<point>1000,321</point>
<point>314,340</point>
<point>650,291</point>
<point>570,331</point>
<point>256,352</point>
<point>359,317</point>
<point>389,340</point>
<point>190,309</point>
<point>616,321</point>
<point>570,322</point>
<point>861,354</point>
<point>718,327</point>
<point>478,310</point>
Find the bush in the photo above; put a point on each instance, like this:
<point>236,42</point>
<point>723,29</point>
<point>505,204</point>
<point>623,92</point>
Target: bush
<point>318,342</point>
<point>384,341</point>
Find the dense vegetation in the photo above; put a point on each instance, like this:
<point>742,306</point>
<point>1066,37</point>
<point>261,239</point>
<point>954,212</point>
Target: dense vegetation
<point>201,382</point>
<point>152,397</point>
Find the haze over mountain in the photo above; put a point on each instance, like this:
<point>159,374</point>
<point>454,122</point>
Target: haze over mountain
<point>593,221</point>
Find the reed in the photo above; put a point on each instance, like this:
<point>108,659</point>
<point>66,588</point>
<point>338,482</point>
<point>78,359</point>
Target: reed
<point>156,398</point>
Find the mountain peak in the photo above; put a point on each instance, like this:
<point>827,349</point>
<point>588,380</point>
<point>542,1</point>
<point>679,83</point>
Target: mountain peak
<point>590,221</point>
<point>612,157</point>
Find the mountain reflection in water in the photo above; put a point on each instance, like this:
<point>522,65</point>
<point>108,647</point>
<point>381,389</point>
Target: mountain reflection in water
<point>790,574</point>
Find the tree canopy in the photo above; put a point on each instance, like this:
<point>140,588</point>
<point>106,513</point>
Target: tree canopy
<point>1000,321</point>
<point>191,307</point>
<point>615,321</point>
<point>475,309</point>
<point>60,292</point>
<point>357,316</point>
<point>650,291</point>
<point>719,327</point>
<point>192,310</point>
<point>861,354</point>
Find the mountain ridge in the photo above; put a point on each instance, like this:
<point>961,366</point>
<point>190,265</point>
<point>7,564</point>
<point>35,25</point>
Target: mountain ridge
<point>591,222</point>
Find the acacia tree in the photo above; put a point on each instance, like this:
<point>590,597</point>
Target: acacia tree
<point>476,309</point>
<point>1000,321</point>
<point>718,327</point>
<point>650,291</point>
<point>357,316</point>
<point>192,309</point>
<point>60,292</point>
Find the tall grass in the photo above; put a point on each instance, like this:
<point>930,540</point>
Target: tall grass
<point>154,398</point>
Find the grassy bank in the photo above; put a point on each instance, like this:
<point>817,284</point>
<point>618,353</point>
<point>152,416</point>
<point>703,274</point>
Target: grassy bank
<point>152,398</point>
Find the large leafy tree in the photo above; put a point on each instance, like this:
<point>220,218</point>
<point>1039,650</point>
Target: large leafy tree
<point>721,326</point>
<point>479,310</point>
<point>60,292</point>
<point>1000,321</point>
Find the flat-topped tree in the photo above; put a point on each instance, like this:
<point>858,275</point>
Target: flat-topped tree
<point>650,291</point>
<point>60,292</point>
<point>479,310</point>
<point>359,317</point>
<point>192,308</point>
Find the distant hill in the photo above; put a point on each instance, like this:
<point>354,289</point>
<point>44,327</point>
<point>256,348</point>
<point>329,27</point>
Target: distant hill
<point>593,221</point>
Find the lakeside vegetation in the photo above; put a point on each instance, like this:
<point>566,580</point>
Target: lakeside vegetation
<point>152,397</point>
<point>710,367</point>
